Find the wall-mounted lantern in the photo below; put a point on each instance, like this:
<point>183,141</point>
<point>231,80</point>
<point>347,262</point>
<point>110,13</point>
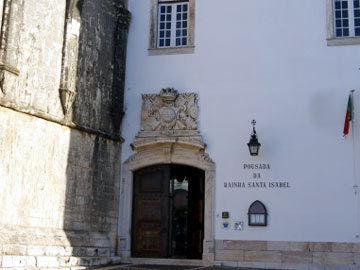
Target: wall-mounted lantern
<point>257,214</point>
<point>254,144</point>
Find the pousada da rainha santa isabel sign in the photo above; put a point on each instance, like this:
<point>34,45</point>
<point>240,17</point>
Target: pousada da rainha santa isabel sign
<point>254,178</point>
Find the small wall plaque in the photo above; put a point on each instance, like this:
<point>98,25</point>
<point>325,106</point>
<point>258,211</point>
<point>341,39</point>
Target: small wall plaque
<point>239,226</point>
<point>225,215</point>
<point>226,225</point>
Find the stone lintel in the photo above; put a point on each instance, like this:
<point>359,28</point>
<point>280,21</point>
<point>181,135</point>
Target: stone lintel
<point>195,143</point>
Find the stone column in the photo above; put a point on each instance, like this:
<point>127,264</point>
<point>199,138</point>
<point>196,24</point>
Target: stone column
<point>123,18</point>
<point>124,221</point>
<point>70,55</point>
<point>208,244</point>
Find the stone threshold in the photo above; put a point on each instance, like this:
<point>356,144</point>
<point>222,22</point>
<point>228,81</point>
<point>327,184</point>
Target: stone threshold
<point>157,261</point>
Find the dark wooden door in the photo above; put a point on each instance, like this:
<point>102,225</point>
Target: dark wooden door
<point>150,226</point>
<point>196,214</point>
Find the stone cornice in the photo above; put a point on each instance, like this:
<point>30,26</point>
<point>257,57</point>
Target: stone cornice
<point>58,120</point>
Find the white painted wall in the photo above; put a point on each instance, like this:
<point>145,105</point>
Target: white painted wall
<point>266,60</point>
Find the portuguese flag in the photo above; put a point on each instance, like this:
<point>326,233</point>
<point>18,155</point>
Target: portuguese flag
<point>349,116</point>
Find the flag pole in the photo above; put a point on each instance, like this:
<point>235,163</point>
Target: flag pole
<point>356,185</point>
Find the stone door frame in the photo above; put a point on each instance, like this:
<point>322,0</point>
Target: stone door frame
<point>167,151</point>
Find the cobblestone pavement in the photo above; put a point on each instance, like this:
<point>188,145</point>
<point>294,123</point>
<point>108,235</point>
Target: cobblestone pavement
<point>173,267</point>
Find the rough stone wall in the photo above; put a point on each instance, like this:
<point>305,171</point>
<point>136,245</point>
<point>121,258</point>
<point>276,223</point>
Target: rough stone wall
<point>100,66</point>
<point>58,194</point>
<point>39,57</point>
<point>60,169</point>
<point>33,165</point>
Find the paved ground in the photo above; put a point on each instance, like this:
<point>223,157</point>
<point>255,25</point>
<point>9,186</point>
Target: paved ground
<point>172,267</point>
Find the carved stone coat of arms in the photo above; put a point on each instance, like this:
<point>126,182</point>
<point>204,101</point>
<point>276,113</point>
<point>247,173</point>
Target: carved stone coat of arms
<point>169,111</point>
<point>169,116</point>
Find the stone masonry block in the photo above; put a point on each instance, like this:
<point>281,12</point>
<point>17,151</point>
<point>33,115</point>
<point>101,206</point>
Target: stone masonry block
<point>296,257</point>
<point>230,264</point>
<point>262,256</point>
<point>104,252</point>
<point>331,258</point>
<point>316,266</point>
<point>252,265</point>
<point>323,247</point>
<point>45,261</point>
<point>56,251</point>
<point>229,255</point>
<point>356,247</point>
<point>18,250</point>
<point>341,267</point>
<point>106,260</point>
<point>342,247</point>
<point>357,258</point>
<point>17,261</point>
<point>84,252</point>
<point>218,244</point>
<point>245,245</point>
<point>340,258</point>
<point>319,258</point>
<point>295,266</point>
<point>301,246</point>
<point>36,250</point>
<point>278,245</point>
<point>277,266</point>
<point>72,261</point>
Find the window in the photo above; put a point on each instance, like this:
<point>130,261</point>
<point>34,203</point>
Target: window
<point>344,22</point>
<point>257,214</point>
<point>172,29</point>
<point>347,18</point>
<point>173,25</point>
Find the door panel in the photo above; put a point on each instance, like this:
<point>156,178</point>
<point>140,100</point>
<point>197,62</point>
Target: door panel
<point>150,212</point>
<point>196,215</point>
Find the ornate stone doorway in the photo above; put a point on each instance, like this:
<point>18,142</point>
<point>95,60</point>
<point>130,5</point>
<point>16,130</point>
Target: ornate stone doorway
<point>169,135</point>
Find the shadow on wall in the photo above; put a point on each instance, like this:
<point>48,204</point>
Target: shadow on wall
<point>93,167</point>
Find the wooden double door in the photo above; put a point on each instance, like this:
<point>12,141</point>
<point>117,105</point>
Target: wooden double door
<point>168,212</point>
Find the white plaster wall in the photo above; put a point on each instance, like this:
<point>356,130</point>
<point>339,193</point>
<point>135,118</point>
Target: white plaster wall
<point>266,60</point>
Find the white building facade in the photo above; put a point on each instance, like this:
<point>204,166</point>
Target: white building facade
<point>289,65</point>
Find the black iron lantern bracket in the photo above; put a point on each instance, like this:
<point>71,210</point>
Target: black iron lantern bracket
<point>254,144</point>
